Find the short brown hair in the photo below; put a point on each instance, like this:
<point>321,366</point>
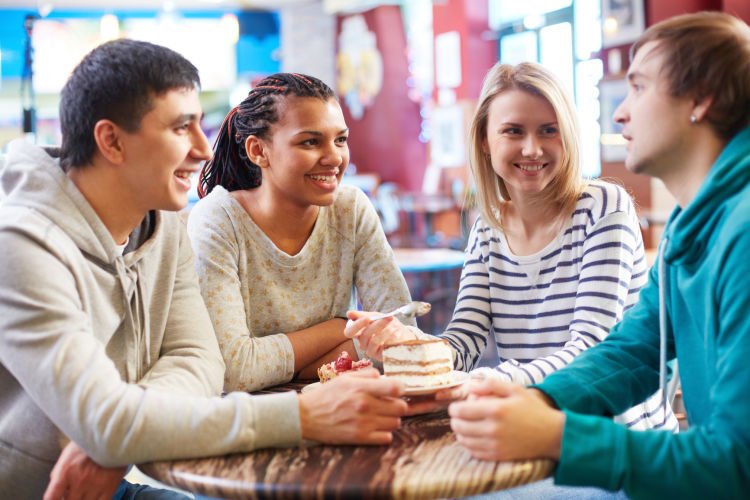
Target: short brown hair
<point>707,54</point>
<point>535,79</point>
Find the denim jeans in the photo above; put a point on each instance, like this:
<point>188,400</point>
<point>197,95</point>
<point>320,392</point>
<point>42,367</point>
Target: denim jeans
<point>547,490</point>
<point>131,491</point>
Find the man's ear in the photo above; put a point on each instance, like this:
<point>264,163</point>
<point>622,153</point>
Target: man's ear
<point>701,107</point>
<point>257,151</point>
<point>108,140</point>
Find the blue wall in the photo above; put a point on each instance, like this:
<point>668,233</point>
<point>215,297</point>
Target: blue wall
<point>256,49</point>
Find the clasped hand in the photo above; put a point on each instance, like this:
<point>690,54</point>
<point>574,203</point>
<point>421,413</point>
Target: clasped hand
<point>359,407</point>
<point>503,421</point>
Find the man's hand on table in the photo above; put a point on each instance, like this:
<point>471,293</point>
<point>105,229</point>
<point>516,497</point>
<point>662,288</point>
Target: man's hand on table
<point>504,421</point>
<point>373,335</point>
<point>75,476</point>
<point>355,408</point>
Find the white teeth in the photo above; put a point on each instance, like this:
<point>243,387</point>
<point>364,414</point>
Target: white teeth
<point>531,168</point>
<point>323,178</point>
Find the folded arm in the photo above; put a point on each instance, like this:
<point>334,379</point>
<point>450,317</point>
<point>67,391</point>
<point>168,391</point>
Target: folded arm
<point>469,329</point>
<point>252,362</point>
<point>49,347</point>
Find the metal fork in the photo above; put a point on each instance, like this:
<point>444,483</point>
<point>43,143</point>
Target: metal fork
<point>410,310</point>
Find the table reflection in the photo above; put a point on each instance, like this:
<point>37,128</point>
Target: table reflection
<point>424,461</point>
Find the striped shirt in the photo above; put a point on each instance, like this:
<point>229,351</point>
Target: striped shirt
<point>546,308</point>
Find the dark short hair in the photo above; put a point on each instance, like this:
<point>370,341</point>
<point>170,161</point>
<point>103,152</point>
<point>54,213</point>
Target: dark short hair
<point>230,167</point>
<point>707,54</point>
<point>116,81</point>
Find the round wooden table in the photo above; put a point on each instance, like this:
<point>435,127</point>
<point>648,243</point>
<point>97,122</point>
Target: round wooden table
<point>424,461</point>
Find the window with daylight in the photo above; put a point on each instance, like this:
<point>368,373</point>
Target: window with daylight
<point>563,35</point>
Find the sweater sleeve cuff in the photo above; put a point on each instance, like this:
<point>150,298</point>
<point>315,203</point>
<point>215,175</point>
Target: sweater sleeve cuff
<point>590,454</point>
<point>277,420</point>
<point>288,356</point>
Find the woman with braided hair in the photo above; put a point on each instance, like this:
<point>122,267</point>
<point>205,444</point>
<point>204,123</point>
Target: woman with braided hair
<point>281,246</point>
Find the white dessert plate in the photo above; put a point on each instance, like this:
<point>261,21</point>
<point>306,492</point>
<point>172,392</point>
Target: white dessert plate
<point>457,376</point>
<point>458,379</point>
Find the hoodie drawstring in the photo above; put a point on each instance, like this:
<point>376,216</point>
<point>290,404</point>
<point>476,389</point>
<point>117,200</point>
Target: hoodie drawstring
<point>663,325</point>
<point>133,340</point>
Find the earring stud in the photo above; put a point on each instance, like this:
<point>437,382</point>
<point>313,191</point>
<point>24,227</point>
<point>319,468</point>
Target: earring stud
<point>693,119</point>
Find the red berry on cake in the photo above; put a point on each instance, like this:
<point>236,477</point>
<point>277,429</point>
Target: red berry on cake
<point>343,363</point>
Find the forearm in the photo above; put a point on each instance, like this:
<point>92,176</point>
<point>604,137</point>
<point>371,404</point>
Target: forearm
<point>469,329</point>
<point>124,423</point>
<point>314,342</point>
<point>535,371</point>
<point>652,464</point>
<point>629,356</point>
<point>311,371</point>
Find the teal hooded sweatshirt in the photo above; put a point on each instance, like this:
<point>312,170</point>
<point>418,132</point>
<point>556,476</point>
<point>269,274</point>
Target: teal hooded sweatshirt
<point>706,294</point>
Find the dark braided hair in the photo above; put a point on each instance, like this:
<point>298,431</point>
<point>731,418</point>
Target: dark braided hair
<point>230,167</point>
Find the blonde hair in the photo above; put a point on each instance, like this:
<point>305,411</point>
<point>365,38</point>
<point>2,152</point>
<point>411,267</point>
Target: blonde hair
<point>567,185</point>
<point>707,54</point>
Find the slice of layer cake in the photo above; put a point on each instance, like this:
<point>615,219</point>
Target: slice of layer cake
<point>419,363</point>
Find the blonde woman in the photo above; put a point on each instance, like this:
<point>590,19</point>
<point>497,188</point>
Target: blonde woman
<point>554,260</point>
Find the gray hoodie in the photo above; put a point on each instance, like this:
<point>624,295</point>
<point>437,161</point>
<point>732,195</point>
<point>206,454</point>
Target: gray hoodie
<point>114,351</point>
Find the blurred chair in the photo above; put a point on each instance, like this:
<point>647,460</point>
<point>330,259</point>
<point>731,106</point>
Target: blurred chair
<point>387,205</point>
<point>2,166</point>
<point>432,275</point>
<point>366,182</point>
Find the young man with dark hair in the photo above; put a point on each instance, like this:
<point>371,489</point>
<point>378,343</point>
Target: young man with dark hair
<point>687,122</point>
<point>104,338</point>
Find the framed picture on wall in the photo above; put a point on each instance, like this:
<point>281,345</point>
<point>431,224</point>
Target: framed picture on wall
<point>611,94</point>
<point>623,21</point>
<point>448,148</point>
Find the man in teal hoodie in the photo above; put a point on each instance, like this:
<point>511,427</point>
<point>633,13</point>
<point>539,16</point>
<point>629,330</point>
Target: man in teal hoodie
<point>686,120</point>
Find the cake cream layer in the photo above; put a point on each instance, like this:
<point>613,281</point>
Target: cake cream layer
<point>419,363</point>
<point>418,370</point>
<point>423,380</point>
<point>418,351</point>
<point>409,362</point>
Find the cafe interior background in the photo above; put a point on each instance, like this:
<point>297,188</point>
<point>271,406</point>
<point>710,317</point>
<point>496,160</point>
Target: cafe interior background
<point>408,74</point>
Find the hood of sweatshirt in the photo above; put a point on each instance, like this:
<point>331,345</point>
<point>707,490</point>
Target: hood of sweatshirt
<point>33,178</point>
<point>688,229</point>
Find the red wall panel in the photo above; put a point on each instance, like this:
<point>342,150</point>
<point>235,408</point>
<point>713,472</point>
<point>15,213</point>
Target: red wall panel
<point>385,140</point>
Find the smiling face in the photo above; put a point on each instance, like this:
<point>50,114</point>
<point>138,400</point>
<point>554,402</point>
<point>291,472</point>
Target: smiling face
<point>306,153</point>
<point>655,124</point>
<point>165,151</point>
<point>523,141</point>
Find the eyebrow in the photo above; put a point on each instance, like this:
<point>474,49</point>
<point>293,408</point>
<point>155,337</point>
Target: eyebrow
<point>188,117</point>
<point>319,134</point>
<point>635,74</point>
<point>513,124</point>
